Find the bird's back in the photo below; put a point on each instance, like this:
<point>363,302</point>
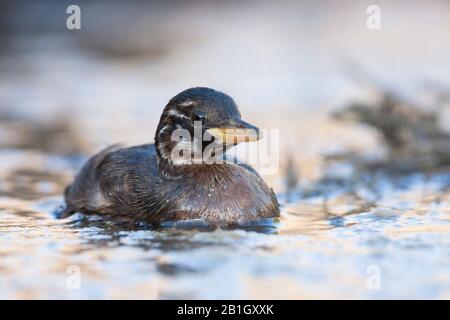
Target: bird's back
<point>103,184</point>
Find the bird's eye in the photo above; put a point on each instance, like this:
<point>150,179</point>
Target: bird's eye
<point>198,115</point>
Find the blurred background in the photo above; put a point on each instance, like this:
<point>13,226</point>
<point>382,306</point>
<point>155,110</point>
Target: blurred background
<point>286,64</point>
<point>347,100</point>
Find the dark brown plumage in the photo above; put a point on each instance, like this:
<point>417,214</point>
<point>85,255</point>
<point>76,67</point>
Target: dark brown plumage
<point>148,183</point>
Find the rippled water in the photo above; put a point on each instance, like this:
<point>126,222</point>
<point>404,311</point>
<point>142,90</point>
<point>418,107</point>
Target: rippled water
<point>317,249</point>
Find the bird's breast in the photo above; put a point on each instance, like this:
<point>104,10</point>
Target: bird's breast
<point>225,194</point>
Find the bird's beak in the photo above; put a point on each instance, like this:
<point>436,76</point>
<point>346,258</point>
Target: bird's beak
<point>235,131</point>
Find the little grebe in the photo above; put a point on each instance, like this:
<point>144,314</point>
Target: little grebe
<point>162,182</point>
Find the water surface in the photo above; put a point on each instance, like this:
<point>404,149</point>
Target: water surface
<point>318,249</point>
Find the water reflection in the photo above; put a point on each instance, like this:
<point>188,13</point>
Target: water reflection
<point>317,241</point>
